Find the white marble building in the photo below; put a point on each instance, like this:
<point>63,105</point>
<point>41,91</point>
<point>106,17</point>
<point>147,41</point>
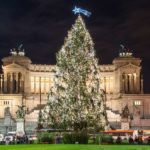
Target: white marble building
<point>21,80</point>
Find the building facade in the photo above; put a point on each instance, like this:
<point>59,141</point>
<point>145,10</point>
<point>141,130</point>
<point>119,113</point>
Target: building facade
<point>24,83</point>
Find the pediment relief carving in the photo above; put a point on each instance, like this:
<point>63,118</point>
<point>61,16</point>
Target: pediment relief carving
<point>130,68</point>
<point>13,67</point>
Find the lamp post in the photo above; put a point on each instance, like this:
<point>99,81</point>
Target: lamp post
<point>40,112</point>
<point>40,94</point>
<point>105,99</point>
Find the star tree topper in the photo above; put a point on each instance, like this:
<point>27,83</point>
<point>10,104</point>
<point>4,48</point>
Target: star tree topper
<point>78,10</point>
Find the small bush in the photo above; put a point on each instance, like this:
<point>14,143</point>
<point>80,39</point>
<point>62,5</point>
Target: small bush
<point>67,138</point>
<point>76,137</point>
<point>102,138</point>
<point>45,137</point>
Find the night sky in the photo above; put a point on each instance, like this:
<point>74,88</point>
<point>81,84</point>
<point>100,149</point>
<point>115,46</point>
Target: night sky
<point>42,25</point>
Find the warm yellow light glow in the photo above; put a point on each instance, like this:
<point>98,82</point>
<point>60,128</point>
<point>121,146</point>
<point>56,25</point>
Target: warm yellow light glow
<point>107,84</point>
<point>137,103</point>
<point>42,85</point>
<point>111,84</point>
<point>32,85</point>
<point>47,83</point>
<point>37,84</point>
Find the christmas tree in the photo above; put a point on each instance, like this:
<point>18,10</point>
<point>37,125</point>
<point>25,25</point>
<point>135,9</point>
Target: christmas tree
<point>76,100</point>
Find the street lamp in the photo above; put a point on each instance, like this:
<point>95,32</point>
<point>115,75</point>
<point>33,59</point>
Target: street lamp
<point>40,111</point>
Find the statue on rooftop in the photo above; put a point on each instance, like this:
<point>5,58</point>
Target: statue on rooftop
<point>124,51</point>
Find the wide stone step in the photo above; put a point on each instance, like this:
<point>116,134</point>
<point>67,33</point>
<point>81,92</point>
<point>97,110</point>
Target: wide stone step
<point>38,107</point>
<point>113,116</point>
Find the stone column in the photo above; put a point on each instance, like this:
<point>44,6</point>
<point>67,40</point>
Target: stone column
<point>105,84</point>
<point>22,83</point>
<point>142,90</point>
<point>0,83</point>
<point>17,81</point>
<point>129,83</point>
<point>126,83</point>
<point>34,84</point>
<point>132,83</point>
<point>5,83</point>
<point>11,83</point>
<point>49,84</point>
<point>123,85</point>
<point>44,85</point>
<point>109,85</point>
<point>138,83</point>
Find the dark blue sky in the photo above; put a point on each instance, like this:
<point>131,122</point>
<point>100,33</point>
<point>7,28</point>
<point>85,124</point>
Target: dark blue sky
<point>41,25</point>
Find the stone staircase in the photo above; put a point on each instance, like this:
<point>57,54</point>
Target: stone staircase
<point>114,111</point>
<point>33,114</point>
<point>11,127</point>
<point>38,107</point>
<point>113,115</point>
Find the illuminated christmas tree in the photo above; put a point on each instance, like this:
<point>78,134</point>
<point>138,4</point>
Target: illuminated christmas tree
<point>76,101</point>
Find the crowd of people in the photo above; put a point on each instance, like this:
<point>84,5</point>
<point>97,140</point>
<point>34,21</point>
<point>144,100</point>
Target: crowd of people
<point>58,139</point>
<point>17,140</point>
<point>137,140</point>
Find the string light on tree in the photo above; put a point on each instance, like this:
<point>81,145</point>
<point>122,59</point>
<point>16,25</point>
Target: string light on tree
<point>76,100</point>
